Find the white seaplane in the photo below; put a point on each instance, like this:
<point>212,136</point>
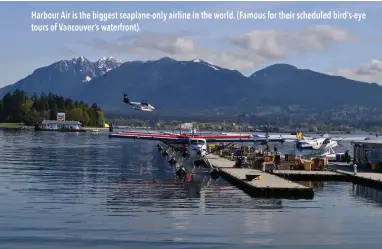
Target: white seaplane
<point>140,106</point>
<point>316,143</point>
<point>324,145</point>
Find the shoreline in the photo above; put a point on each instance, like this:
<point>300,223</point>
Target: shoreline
<point>17,126</point>
<point>21,126</point>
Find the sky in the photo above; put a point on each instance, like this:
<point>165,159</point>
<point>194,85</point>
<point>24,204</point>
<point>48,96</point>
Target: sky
<point>349,48</point>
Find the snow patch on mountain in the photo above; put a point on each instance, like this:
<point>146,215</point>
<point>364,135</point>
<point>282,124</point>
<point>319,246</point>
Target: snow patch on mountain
<point>87,79</point>
<point>206,64</point>
<point>83,66</point>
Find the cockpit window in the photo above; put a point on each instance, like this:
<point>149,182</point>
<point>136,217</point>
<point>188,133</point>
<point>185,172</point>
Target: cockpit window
<point>195,142</point>
<point>143,102</point>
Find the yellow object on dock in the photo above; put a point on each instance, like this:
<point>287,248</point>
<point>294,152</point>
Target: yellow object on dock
<point>374,166</point>
<point>308,165</point>
<point>257,178</point>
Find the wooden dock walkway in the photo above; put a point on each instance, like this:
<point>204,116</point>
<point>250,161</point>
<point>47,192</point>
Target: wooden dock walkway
<point>269,185</point>
<point>275,184</point>
<point>303,175</point>
<point>371,179</point>
<point>216,161</point>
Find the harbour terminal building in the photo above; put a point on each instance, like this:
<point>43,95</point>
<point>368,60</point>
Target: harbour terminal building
<point>368,154</point>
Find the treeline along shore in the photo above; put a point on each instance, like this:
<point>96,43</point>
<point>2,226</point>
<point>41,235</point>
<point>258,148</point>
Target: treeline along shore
<point>18,107</point>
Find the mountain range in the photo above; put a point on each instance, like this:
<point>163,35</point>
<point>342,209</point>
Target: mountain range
<point>195,86</point>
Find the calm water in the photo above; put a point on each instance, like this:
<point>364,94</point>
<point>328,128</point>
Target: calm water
<point>61,190</point>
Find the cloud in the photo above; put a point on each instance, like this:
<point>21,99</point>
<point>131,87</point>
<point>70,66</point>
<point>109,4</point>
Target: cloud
<point>370,72</point>
<point>154,46</point>
<point>249,50</point>
<point>65,51</point>
<point>275,44</point>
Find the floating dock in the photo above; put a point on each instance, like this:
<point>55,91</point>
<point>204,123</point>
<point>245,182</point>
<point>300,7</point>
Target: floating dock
<point>370,179</point>
<point>279,183</point>
<point>257,183</point>
<point>265,184</point>
<point>215,161</point>
<point>302,175</point>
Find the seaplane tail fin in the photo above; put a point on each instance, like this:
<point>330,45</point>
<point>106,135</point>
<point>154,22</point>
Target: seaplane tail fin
<point>126,99</point>
<point>299,135</point>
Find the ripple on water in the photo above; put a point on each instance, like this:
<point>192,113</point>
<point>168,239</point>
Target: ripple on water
<point>83,191</point>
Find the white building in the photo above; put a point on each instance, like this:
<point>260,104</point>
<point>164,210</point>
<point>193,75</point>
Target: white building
<point>61,125</point>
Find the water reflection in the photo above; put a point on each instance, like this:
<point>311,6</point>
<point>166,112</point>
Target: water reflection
<point>315,185</point>
<point>370,194</point>
<point>84,191</point>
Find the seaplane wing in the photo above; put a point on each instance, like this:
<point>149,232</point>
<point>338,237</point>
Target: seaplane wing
<point>135,103</point>
<point>356,138</point>
<point>323,143</point>
<point>184,139</point>
<point>268,139</point>
<point>325,137</point>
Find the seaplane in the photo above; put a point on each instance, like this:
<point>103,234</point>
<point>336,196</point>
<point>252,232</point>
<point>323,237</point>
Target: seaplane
<point>140,106</point>
<point>323,142</point>
<point>324,145</point>
<point>318,143</point>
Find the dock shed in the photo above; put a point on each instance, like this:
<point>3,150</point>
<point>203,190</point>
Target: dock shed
<point>59,125</point>
<point>367,153</point>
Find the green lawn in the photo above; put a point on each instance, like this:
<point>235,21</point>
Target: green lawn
<point>10,125</point>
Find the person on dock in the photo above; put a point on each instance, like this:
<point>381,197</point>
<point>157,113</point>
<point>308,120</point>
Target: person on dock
<point>275,149</point>
<point>182,148</point>
<point>238,152</point>
<point>326,162</point>
<point>355,169</point>
<point>238,162</point>
<point>347,157</point>
<point>267,149</point>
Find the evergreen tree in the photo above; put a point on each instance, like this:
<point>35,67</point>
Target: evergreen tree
<point>18,107</point>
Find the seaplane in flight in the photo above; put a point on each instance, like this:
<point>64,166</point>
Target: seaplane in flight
<point>140,106</point>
